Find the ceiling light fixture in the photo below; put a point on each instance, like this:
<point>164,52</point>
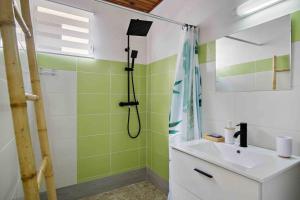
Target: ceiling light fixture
<point>253,6</point>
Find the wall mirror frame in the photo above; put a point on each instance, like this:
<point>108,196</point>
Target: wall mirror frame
<point>256,59</point>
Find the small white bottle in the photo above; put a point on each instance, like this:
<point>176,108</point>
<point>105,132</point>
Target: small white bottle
<point>229,131</point>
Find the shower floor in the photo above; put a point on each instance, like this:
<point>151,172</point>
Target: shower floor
<point>138,191</point>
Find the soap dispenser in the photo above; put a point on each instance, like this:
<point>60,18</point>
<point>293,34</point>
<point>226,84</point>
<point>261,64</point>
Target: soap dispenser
<point>229,131</point>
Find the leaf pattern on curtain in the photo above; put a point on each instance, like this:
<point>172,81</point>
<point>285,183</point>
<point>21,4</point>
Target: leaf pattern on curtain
<point>184,118</point>
<point>185,113</point>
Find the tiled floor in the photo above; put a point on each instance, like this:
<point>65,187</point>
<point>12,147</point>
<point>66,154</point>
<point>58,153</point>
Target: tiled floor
<point>139,191</point>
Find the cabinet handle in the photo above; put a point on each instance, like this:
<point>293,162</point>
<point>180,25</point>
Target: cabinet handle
<point>203,173</point>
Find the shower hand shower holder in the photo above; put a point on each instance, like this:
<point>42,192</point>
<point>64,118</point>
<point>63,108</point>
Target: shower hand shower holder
<point>130,70</point>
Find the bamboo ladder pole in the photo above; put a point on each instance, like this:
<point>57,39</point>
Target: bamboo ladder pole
<point>18,101</point>
<point>39,105</point>
<point>274,81</point>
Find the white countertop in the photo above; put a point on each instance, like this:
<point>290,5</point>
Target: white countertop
<point>274,165</point>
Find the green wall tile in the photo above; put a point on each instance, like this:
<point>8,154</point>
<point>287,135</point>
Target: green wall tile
<point>160,66</point>
<point>92,103</point>
<point>244,68</point>
<point>159,84</point>
<point>119,121</point>
<point>160,103</point>
<point>142,153</point>
<point>149,157</point>
<point>93,145</point>
<point>140,70</point>
<point>118,67</point>
<point>142,103</point>
<point>207,52</point>
<point>124,161</point>
<point>140,84</point>
<point>59,62</point>
<point>160,143</point>
<point>142,139</point>
<point>92,124</point>
<point>121,142</point>
<point>282,62</point>
<point>159,123</point>
<point>172,62</point>
<point>98,166</point>
<point>114,103</point>
<point>160,165</point>
<point>160,76</point>
<point>296,26</point>
<point>92,83</point>
<point>118,84</point>
<point>93,65</point>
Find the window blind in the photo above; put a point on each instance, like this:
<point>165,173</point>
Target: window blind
<point>62,29</point>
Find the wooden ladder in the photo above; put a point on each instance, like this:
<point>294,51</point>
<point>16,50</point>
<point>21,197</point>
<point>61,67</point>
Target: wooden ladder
<point>31,179</point>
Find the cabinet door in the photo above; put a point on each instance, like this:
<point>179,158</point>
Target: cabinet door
<point>210,182</point>
<point>179,193</point>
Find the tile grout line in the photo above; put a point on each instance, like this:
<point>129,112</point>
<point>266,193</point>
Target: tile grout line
<point>110,124</point>
<point>76,116</point>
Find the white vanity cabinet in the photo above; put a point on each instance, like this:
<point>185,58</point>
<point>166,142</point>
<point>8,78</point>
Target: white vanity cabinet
<point>195,179</point>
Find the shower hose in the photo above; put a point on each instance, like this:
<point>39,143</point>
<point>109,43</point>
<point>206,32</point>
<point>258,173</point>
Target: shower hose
<point>129,108</point>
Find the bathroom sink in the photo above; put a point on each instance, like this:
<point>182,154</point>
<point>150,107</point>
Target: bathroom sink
<point>256,163</point>
<point>243,157</point>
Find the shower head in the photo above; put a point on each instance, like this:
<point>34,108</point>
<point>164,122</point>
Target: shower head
<point>134,54</point>
<point>139,27</point>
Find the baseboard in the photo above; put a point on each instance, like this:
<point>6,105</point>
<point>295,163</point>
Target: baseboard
<point>90,188</point>
<point>156,180</point>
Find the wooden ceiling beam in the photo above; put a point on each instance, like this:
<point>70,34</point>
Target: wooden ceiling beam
<point>141,5</point>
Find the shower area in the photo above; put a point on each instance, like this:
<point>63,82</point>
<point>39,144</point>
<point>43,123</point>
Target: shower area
<point>107,113</point>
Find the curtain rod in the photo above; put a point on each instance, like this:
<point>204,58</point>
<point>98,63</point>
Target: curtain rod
<point>145,14</point>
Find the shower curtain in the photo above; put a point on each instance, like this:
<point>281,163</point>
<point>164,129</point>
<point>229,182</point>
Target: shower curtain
<point>185,113</point>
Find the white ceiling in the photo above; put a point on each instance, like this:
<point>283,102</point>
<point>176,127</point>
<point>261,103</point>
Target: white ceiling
<point>196,11</point>
<point>186,11</point>
<point>215,18</point>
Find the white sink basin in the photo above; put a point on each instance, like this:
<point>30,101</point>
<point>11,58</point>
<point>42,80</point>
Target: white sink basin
<point>231,153</point>
<point>253,162</point>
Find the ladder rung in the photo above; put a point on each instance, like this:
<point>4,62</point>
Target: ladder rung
<point>31,97</point>
<point>41,171</point>
<point>282,70</point>
<point>21,22</point>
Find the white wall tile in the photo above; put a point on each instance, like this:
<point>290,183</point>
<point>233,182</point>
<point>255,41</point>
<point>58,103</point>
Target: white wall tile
<point>9,171</point>
<point>60,82</point>
<point>214,106</point>
<point>62,127</point>
<point>59,93</point>
<point>60,103</point>
<point>65,173</point>
<point>278,109</point>
<point>5,116</point>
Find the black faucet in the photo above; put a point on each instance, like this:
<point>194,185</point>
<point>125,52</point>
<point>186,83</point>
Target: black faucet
<point>243,134</point>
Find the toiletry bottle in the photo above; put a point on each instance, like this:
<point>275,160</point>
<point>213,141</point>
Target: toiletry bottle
<point>229,131</point>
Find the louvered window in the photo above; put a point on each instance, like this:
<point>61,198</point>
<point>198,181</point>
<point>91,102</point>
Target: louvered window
<point>62,29</point>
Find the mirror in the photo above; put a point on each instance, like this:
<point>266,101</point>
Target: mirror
<point>255,59</point>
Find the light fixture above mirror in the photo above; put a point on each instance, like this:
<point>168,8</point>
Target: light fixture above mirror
<point>253,6</point>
